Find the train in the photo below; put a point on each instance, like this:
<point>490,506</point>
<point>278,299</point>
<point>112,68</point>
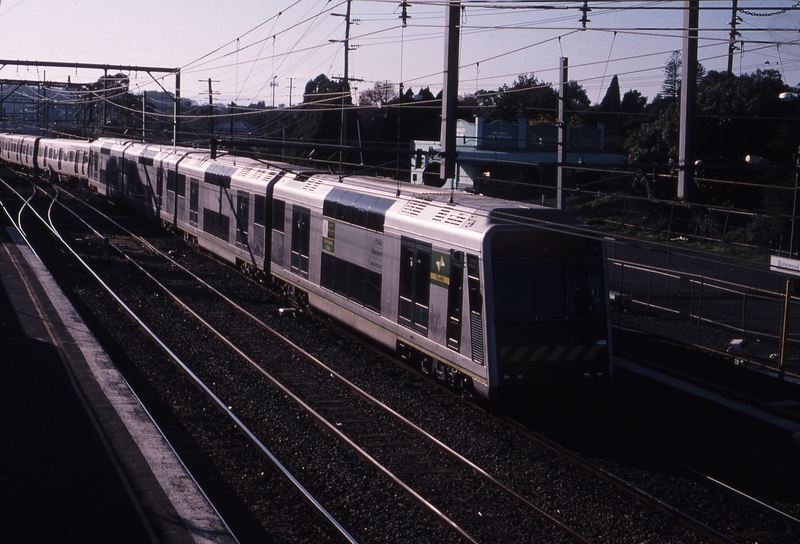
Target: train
<point>495,297</point>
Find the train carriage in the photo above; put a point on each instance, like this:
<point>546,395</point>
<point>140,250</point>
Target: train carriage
<point>106,176</point>
<point>19,150</point>
<point>223,204</point>
<point>63,159</point>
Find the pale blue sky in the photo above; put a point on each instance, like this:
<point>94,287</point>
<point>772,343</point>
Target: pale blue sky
<point>245,45</point>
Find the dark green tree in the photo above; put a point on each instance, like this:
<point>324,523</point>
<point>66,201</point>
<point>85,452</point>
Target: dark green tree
<point>611,101</point>
<point>633,102</point>
<point>672,76</point>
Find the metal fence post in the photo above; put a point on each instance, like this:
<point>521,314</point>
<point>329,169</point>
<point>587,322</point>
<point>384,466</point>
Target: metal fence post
<point>621,290</point>
<point>744,309</point>
<point>699,309</point>
<point>787,301</point>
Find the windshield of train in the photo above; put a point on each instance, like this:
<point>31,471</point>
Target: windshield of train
<point>547,275</point>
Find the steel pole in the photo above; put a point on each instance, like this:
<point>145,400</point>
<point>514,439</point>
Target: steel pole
<point>785,328</point>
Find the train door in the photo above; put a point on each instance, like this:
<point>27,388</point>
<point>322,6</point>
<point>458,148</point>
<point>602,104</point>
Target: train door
<point>194,201</point>
<point>455,300</point>
<point>242,218</point>
<point>415,270</point>
<point>301,240</point>
<point>259,226</point>
<point>159,188</point>
<point>180,197</point>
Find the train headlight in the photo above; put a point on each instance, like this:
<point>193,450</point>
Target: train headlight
<point>587,375</point>
<point>507,377</point>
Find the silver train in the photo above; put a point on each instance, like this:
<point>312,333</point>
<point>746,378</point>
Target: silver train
<point>493,296</point>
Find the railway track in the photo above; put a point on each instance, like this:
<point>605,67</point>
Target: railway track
<point>462,497</point>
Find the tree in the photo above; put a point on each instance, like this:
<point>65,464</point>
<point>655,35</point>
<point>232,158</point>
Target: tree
<point>672,75</point>
<point>633,102</point>
<point>611,101</point>
<point>322,89</point>
<point>382,93</point>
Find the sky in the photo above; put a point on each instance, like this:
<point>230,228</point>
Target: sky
<point>267,50</point>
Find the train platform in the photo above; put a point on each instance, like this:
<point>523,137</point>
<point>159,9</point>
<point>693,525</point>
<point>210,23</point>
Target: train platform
<point>80,459</point>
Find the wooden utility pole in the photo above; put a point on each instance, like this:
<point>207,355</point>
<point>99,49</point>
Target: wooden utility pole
<point>733,34</point>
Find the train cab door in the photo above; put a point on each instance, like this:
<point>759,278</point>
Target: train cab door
<point>301,238</point>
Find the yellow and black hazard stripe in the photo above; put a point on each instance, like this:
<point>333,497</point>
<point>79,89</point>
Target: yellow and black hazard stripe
<point>537,354</point>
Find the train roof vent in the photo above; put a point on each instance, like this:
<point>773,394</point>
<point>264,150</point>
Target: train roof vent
<point>451,217</point>
<point>414,208</point>
<point>312,184</point>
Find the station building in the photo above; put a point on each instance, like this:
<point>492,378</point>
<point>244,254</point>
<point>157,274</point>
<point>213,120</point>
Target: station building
<point>515,161</point>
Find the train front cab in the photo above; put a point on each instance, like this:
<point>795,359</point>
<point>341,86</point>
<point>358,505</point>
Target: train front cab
<point>547,292</point>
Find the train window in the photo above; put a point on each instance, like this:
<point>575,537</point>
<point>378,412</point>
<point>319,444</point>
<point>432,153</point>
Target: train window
<point>180,185</point>
<point>219,175</point>
<point>455,298</point>
<point>361,209</point>
<point>171,181</point>
<point>147,157</point>
<point>548,279</point>
<point>377,213</point>
<point>332,202</point>
<point>547,276</point>
<point>355,288</point>
<point>242,217</point>
<point>414,296</point>
<point>194,204</point>
<point>344,208</point>
<point>351,281</point>
<point>216,224</point>
<point>260,212</point>
<point>301,237</point>
<point>278,214</point>
<point>327,273</point>
<point>355,208</point>
<point>341,277</point>
<point>372,290</point>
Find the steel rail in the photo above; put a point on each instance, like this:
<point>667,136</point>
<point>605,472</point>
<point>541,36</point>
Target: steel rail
<point>224,407</point>
<point>687,520</point>
<point>198,382</point>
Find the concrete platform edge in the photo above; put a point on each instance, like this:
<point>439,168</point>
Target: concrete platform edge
<point>197,514</point>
